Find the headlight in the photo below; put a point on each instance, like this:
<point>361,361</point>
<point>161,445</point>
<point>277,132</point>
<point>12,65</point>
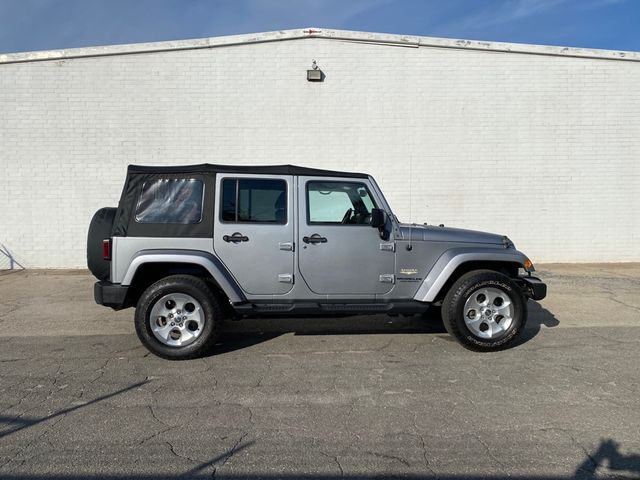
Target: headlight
<point>507,242</point>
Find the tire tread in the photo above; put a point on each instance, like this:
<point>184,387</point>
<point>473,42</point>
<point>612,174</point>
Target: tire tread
<point>196,349</point>
<point>455,295</point>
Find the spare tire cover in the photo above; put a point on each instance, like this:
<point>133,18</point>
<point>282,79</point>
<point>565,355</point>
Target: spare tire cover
<point>99,229</point>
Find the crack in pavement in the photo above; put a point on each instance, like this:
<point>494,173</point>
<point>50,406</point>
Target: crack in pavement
<point>422,442</point>
<point>339,465</point>
<point>157,419</point>
<point>55,380</point>
<point>491,455</point>
<point>334,458</point>
<point>28,445</point>
<point>29,392</point>
<point>264,374</point>
<point>226,458</point>
<point>159,432</point>
<point>612,296</point>
<point>101,371</point>
<point>424,455</point>
<point>388,457</point>
<point>184,457</point>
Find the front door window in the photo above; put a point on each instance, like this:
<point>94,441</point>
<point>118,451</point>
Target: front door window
<point>339,203</point>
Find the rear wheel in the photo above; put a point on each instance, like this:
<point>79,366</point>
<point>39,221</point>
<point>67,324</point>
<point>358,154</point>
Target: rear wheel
<point>178,317</point>
<point>484,310</point>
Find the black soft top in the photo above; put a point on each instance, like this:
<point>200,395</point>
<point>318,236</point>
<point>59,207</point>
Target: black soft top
<point>125,225</point>
<point>208,168</point>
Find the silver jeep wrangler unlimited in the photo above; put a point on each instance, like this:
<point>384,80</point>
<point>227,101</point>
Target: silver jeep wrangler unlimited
<point>189,246</point>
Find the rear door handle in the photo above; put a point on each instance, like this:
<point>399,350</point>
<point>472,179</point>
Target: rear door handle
<point>235,238</point>
<point>315,238</point>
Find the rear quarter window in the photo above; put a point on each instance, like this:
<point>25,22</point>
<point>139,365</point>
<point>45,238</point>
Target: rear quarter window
<point>171,200</point>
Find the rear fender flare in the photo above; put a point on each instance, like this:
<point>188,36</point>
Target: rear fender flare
<point>209,262</point>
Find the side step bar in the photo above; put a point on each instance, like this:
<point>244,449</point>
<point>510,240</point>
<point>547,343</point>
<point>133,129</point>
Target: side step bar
<point>307,308</point>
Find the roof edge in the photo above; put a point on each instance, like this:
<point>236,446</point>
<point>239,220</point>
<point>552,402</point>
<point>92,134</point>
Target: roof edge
<point>251,169</point>
<point>313,32</point>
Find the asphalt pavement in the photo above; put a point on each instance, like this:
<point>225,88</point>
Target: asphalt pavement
<point>357,397</point>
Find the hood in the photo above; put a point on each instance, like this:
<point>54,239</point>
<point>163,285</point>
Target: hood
<point>448,234</point>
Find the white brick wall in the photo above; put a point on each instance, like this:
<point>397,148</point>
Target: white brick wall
<point>543,148</point>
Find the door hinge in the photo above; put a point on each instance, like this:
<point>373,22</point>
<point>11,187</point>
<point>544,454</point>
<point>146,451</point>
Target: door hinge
<point>387,278</point>
<point>388,247</point>
<point>285,278</point>
<point>286,246</point>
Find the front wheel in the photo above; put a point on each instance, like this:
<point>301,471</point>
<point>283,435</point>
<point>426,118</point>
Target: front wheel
<point>484,310</point>
<point>178,317</point>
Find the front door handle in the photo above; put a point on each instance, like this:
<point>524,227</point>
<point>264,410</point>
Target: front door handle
<point>235,238</point>
<point>315,238</point>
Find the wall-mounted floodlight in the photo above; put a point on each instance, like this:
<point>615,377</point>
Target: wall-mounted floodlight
<point>315,74</point>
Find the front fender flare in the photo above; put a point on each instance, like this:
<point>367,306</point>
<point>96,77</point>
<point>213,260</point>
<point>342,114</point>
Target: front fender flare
<point>452,259</point>
<point>209,262</point>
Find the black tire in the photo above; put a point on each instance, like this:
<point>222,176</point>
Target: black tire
<point>196,288</point>
<point>453,315</point>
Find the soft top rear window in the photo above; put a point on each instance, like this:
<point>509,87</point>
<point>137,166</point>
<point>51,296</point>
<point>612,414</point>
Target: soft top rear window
<point>171,200</point>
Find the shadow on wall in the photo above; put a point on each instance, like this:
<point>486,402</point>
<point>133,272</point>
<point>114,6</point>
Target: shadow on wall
<point>8,260</point>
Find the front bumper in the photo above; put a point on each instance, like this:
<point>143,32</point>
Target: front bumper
<point>533,287</point>
<point>110,294</point>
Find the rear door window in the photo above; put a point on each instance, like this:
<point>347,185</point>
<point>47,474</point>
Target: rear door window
<point>248,200</point>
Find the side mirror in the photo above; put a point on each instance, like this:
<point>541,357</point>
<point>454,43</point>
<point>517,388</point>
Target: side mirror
<point>378,218</point>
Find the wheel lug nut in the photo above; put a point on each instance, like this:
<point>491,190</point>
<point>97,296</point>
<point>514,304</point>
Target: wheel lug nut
<point>173,324</point>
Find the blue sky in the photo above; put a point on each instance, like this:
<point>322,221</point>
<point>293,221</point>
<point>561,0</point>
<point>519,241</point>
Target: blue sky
<point>50,24</point>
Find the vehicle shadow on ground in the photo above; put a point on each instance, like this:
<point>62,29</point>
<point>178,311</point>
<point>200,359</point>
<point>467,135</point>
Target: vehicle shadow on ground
<point>237,335</point>
<point>245,333</point>
<point>537,318</point>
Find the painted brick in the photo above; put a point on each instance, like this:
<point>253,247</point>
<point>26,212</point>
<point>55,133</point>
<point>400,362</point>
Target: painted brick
<point>543,148</point>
